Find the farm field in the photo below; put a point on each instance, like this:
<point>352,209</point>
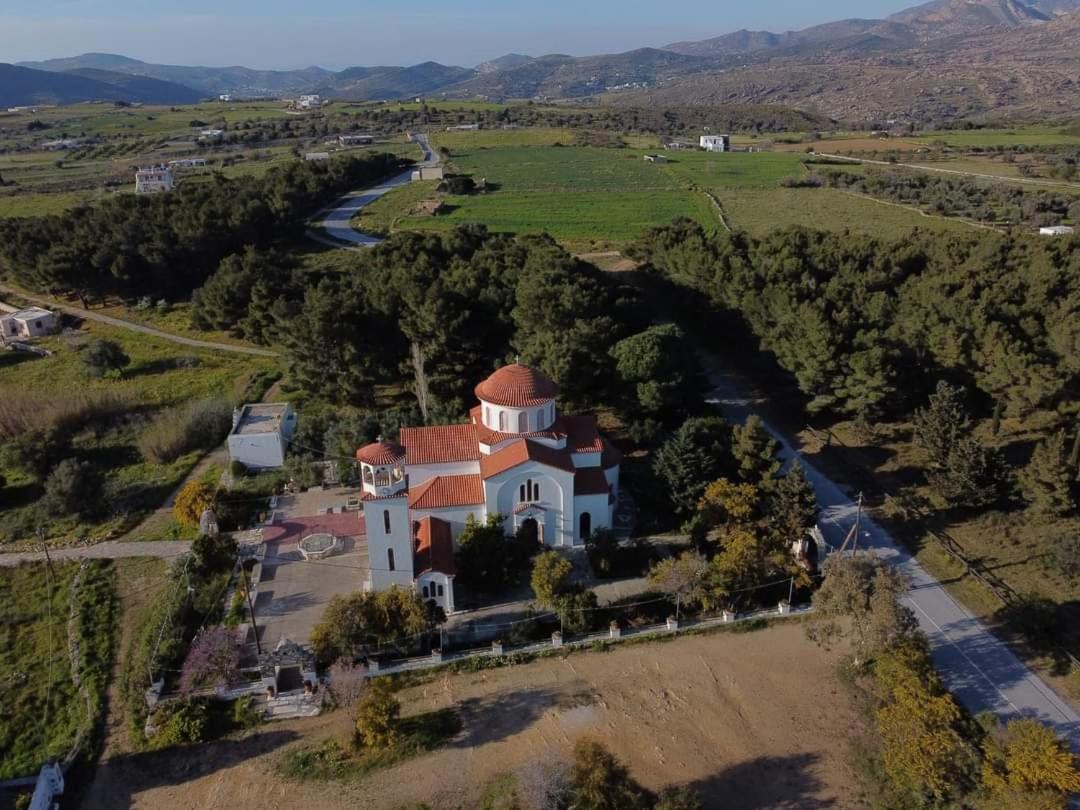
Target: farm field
<point>474,140</point>
<point>41,712</point>
<point>759,211</point>
<point>722,713</point>
<point>43,204</point>
<point>160,374</point>
<point>1025,136</point>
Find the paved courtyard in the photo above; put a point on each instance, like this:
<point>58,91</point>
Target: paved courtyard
<point>293,592</point>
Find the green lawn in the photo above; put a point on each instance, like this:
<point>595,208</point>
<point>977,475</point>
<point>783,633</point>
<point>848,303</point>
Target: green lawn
<point>1024,136</point>
<point>41,712</point>
<point>473,140</point>
<point>39,205</point>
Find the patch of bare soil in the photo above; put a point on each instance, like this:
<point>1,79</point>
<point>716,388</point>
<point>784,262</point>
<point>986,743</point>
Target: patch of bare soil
<point>750,720</point>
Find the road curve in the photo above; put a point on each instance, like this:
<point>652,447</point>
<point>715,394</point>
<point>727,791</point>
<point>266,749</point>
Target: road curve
<point>337,221</point>
<point>983,673</point>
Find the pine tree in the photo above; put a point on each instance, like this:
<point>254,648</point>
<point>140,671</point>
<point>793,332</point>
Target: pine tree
<point>972,475</point>
<point>1047,482</point>
<point>755,452</point>
<point>690,459</point>
<point>794,507</point>
<point>944,422</point>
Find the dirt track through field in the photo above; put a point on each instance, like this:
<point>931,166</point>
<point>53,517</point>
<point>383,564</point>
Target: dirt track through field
<point>751,720</point>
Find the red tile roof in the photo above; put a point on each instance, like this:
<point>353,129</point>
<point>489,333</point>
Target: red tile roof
<point>380,453</point>
<point>520,451</point>
<point>590,481</point>
<point>582,434</point>
<point>447,490</point>
<point>517,386</point>
<point>434,547</point>
<point>440,444</point>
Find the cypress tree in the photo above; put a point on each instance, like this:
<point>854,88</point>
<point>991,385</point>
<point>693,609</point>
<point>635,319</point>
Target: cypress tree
<point>1047,481</point>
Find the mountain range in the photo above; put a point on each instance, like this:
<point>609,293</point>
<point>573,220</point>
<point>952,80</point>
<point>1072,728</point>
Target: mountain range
<point>945,58</point>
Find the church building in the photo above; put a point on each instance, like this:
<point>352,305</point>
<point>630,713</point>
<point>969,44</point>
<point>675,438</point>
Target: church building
<point>518,457</point>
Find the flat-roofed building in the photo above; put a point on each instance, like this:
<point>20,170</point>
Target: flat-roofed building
<point>260,434</point>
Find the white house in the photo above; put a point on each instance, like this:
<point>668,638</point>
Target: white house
<point>225,97</point>
<point>27,323</point>
<point>187,163</point>
<point>541,471</point>
<point>153,180</point>
<point>715,143</point>
<point>429,173</point>
<point>309,102</point>
<point>1056,230</point>
<point>356,140</point>
<point>260,435</point>
<point>211,134</point>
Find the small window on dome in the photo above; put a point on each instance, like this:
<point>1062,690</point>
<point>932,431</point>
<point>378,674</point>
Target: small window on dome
<point>502,421</point>
<point>487,416</point>
<point>523,422</point>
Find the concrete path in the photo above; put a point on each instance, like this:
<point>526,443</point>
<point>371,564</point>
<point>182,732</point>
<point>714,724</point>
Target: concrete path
<point>79,312</point>
<point>337,221</point>
<point>976,666</point>
<point>111,550</point>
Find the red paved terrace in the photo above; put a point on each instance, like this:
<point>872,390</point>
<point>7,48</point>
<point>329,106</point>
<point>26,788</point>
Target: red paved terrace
<point>295,529</point>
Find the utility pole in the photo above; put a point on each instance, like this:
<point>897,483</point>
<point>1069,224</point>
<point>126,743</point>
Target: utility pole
<point>251,608</point>
<point>858,516</point>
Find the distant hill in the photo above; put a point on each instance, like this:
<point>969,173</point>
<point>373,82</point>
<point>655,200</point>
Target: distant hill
<point>510,60</point>
<point>379,83</point>
<point>209,81</point>
<point>20,86</point>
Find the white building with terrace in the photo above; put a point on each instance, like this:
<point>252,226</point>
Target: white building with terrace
<point>544,472</point>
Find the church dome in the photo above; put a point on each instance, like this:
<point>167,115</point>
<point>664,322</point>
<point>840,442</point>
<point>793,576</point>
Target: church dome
<point>380,453</point>
<point>517,386</point>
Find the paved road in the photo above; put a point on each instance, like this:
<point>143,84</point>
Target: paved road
<point>979,669</point>
<point>338,220</point>
<point>1027,180</point>
<point>79,312</point>
<point>111,550</point>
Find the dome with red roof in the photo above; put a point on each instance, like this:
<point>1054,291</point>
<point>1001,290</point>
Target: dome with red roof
<point>380,453</point>
<point>517,386</point>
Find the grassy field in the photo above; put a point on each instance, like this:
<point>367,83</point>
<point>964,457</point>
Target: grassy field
<point>759,211</point>
<point>472,141</point>
<point>43,204</point>
<point>41,712</point>
<point>161,374</point>
<point>1025,136</point>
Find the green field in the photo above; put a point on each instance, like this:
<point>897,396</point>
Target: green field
<point>471,141</point>
<point>38,205</point>
<point>1025,136</point>
<point>161,374</point>
<point>41,712</point>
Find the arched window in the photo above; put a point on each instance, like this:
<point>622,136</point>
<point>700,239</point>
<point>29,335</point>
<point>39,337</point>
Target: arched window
<point>523,422</point>
<point>502,421</point>
<point>487,416</point>
<point>528,490</point>
<point>425,590</point>
<point>386,520</point>
<point>390,559</point>
<point>368,477</point>
<point>440,589</point>
<point>521,493</point>
<point>536,492</point>
<point>585,525</point>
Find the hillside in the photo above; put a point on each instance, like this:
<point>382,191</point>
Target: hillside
<point>1026,71</point>
<point>21,86</point>
<point>377,83</point>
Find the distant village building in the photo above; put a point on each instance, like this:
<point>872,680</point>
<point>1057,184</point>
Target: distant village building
<point>211,134</point>
<point>225,97</point>
<point>187,163</point>
<point>317,156</point>
<point>356,140</point>
<point>1056,230</point>
<point>309,102</point>
<point>679,145</point>
<point>655,159</point>
<point>463,128</point>
<point>260,435</point>
<point>429,173</point>
<point>715,143</point>
<point>31,322</point>
<point>62,143</point>
<point>545,473</point>
<point>153,180</point>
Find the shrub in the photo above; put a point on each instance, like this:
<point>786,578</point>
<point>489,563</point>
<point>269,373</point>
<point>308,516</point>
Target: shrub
<point>211,661</point>
<point>194,499</point>
<point>198,425</point>
<point>35,452</point>
<point>237,468</point>
<point>182,721</point>
<point>24,413</point>
<point>74,487</point>
<point>246,712</point>
<point>377,716</point>
<point>103,357</point>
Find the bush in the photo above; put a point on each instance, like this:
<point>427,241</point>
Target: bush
<point>74,487</point>
<point>246,712</point>
<point>377,716</point>
<point>198,425</point>
<point>237,469</point>
<point>181,721</point>
<point>24,413</point>
<point>194,499</point>
<point>103,357</point>
<point>36,452</point>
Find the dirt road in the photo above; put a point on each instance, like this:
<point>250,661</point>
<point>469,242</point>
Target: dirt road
<point>727,714</point>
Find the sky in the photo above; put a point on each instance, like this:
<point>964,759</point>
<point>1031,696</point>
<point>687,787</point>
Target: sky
<point>341,33</point>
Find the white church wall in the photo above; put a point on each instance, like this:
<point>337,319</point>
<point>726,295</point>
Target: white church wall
<point>599,513</point>
<point>586,460</point>
<point>504,493</point>
<point>455,516</point>
<point>395,545</point>
<point>508,420</point>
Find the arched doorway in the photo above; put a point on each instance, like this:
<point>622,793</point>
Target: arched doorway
<point>584,525</point>
<point>529,531</point>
